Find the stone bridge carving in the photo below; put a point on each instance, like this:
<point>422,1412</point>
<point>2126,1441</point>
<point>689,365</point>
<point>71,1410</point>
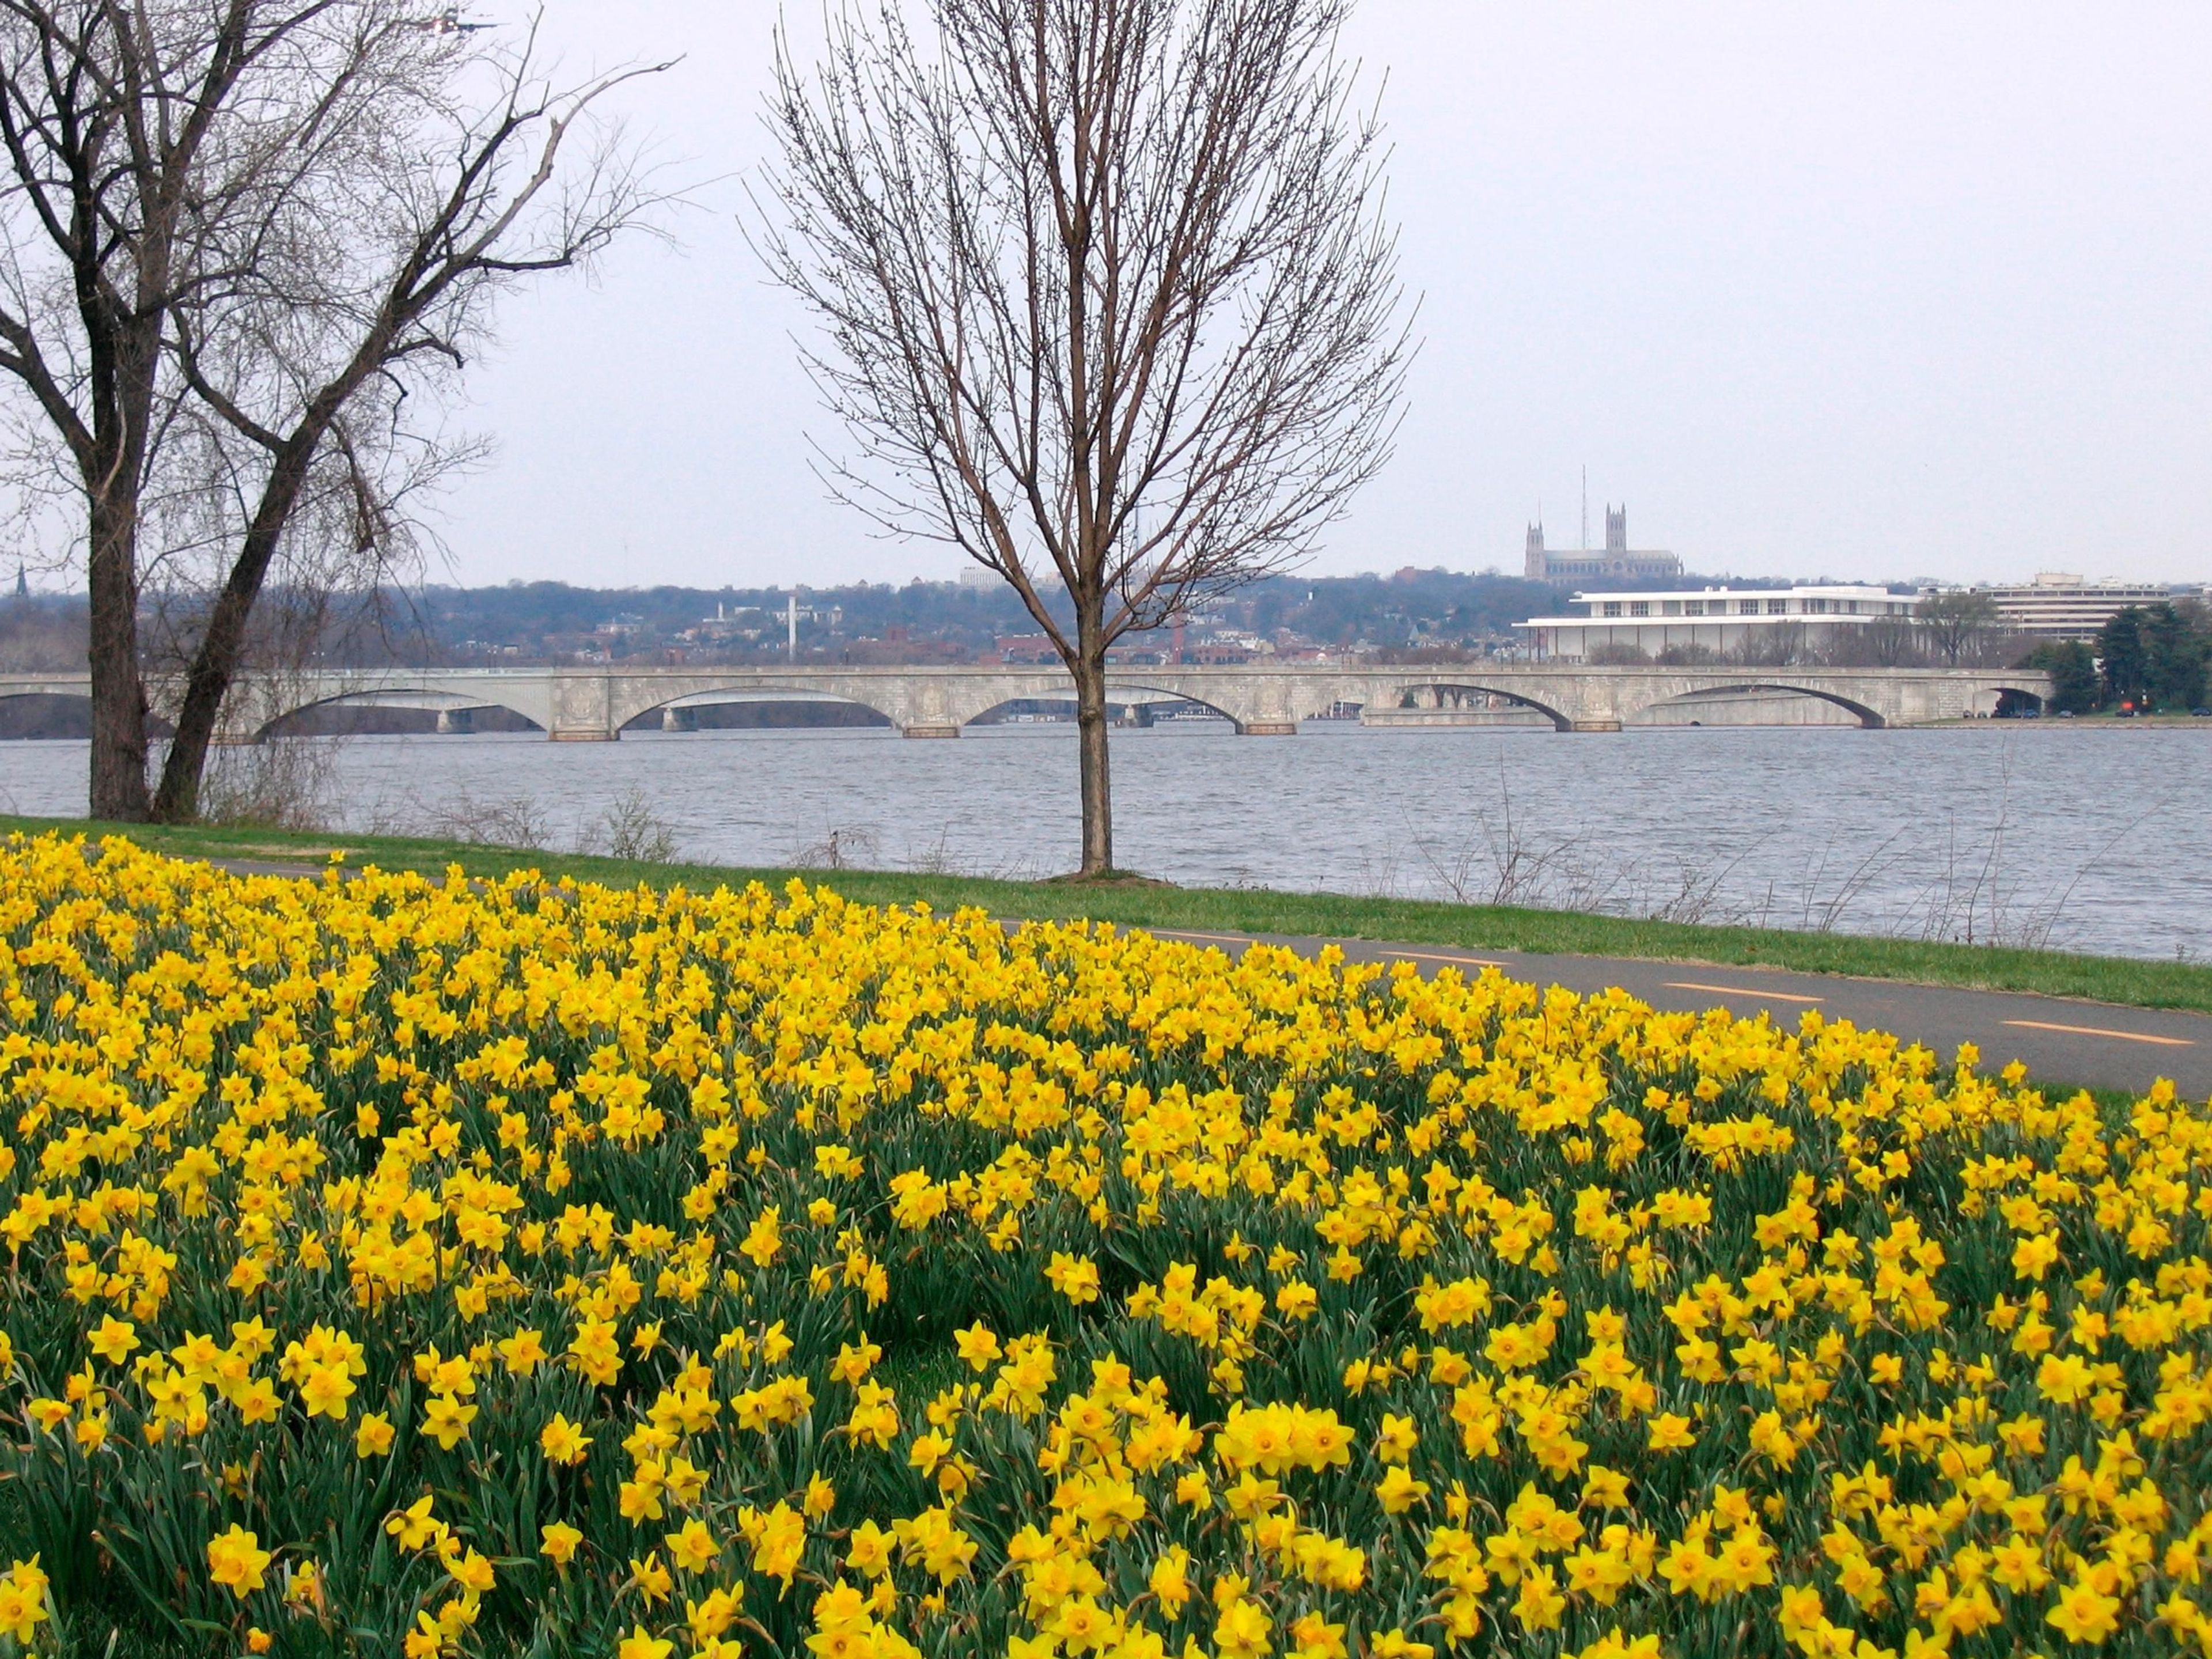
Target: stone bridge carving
<point>579,704</point>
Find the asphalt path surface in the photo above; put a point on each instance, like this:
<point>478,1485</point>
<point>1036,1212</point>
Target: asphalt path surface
<point>2062,1042</point>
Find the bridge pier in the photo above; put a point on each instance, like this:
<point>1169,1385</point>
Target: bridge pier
<point>1594,725</point>
<point>920,729</point>
<point>1268,729</point>
<point>583,709</point>
<point>461,721</point>
<point>674,719</point>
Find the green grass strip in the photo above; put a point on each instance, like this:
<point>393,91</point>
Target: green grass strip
<point>2118,979</point>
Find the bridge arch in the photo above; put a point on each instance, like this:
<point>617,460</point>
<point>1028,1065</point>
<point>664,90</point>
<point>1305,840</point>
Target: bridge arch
<point>1053,686</point>
<point>747,691</point>
<point>1116,694</point>
<point>1998,694</point>
<point>1560,721</point>
<point>1871,718</point>
<point>259,725</point>
<point>35,712</point>
<point>1126,683</point>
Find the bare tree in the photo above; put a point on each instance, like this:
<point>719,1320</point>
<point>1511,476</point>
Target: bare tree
<point>1616,654</point>
<point>1892,642</point>
<point>1111,302</point>
<point>242,234</point>
<point>1777,647</point>
<point>1956,623</point>
<point>105,113</point>
<point>309,351</point>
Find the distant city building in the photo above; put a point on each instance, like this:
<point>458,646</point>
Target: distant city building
<point>2059,606</point>
<point>1719,619</point>
<point>1618,561</point>
<point>1026,648</point>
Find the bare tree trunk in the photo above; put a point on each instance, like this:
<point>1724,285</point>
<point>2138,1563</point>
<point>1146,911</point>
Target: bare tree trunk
<point>1091,743</point>
<point>118,693</point>
<point>215,663</point>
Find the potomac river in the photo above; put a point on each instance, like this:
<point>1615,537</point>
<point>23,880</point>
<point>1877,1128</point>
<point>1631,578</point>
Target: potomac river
<point>2086,839</point>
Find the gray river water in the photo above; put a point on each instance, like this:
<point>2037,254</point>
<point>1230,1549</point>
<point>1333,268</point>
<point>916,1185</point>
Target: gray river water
<point>2087,839</point>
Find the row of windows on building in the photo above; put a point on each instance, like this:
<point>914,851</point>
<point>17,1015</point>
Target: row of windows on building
<point>1813,606</point>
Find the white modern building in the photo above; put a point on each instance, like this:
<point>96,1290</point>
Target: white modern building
<point>1722,620</point>
<point>2059,606</point>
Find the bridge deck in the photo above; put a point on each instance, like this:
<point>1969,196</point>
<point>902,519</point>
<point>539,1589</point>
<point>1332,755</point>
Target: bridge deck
<point>594,703</point>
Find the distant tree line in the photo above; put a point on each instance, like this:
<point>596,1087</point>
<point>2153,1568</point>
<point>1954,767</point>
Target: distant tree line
<point>1414,610</point>
<point>1455,612</point>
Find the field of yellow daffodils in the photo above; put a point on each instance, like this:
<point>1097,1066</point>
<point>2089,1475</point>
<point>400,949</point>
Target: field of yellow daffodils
<point>409,1267</point>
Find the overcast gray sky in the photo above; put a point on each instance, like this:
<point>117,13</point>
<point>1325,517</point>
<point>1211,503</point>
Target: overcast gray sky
<point>1873,290</point>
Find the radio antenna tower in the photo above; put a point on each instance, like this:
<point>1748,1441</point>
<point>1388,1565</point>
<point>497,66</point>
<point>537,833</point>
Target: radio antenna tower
<point>1584,542</point>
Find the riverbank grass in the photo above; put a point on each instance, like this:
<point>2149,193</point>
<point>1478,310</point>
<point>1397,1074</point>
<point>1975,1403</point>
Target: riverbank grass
<point>2121,980</point>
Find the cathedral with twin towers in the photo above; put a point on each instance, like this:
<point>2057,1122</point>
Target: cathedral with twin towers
<point>1617,559</point>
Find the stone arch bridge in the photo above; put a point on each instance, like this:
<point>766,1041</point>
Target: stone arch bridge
<point>588,704</point>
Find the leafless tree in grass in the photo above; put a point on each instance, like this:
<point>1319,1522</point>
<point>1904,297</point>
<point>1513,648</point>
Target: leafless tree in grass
<point>1109,299</point>
<point>244,239</point>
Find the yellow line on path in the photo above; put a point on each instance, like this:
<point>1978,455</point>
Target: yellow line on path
<point>1416,956</point>
<point>2097,1030</point>
<point>1739,991</point>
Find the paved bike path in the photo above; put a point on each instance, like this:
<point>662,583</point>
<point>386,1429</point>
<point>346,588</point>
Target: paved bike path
<point>2061,1040</point>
